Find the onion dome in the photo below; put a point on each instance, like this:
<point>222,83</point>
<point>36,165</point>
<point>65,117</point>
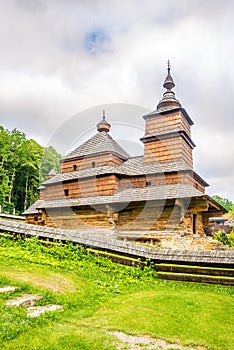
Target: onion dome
<point>168,99</point>
<point>103,125</point>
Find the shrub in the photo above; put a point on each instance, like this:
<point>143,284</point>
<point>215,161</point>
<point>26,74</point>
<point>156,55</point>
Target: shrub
<point>226,239</point>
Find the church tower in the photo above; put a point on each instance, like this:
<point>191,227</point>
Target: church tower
<point>167,132</point>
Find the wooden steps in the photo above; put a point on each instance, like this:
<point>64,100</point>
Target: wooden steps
<point>195,274</point>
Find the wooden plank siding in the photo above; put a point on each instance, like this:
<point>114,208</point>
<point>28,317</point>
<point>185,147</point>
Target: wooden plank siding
<point>97,186</point>
<point>159,123</point>
<point>160,179</point>
<point>88,162</point>
<point>168,150</point>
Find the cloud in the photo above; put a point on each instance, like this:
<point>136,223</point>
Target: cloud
<point>61,57</point>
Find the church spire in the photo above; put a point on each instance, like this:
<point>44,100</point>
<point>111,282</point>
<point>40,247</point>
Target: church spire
<point>168,100</point>
<point>103,125</point>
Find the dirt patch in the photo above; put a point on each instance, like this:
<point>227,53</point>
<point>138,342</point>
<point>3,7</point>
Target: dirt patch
<point>147,343</point>
<point>53,281</point>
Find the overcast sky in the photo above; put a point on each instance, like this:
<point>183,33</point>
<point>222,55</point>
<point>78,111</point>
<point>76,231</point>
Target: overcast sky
<point>61,57</point>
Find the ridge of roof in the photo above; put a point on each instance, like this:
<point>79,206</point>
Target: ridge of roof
<point>100,142</point>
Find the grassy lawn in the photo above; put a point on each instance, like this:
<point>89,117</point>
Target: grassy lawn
<point>99,296</point>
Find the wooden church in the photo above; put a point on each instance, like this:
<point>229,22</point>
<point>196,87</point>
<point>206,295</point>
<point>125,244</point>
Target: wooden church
<point>101,187</point>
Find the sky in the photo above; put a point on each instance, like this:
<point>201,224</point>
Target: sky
<point>63,61</point>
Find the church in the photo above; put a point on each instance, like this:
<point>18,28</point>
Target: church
<point>100,187</point>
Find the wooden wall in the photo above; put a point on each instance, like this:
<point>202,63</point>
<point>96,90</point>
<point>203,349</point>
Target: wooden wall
<point>110,184</point>
<point>41,193</point>
<point>35,219</point>
<point>169,215</point>
<point>168,150</point>
<point>87,162</point>
<point>96,186</point>
<point>160,179</point>
<point>159,123</point>
<point>78,218</point>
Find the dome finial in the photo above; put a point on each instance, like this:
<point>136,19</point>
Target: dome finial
<point>103,125</point>
<point>168,100</point>
<point>168,66</point>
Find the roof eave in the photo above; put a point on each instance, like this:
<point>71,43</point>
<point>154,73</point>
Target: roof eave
<point>172,110</point>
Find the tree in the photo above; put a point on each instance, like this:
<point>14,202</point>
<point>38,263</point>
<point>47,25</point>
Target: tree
<point>27,175</point>
<point>226,203</point>
<point>49,159</point>
<point>23,164</point>
<point>10,144</point>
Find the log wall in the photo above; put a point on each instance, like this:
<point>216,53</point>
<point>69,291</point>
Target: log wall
<point>169,215</point>
<point>137,216</point>
<point>36,219</point>
<point>78,218</point>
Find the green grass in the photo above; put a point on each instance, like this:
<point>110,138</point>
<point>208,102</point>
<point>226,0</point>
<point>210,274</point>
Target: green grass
<point>100,296</point>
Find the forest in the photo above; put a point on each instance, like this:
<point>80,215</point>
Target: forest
<point>24,164</point>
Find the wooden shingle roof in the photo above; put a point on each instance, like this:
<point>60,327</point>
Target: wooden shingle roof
<point>161,192</point>
<point>99,143</point>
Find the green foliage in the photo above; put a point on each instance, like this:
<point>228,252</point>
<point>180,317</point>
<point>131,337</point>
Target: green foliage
<point>69,257</point>
<point>231,237</point>
<point>20,163</point>
<point>226,239</point>
<point>232,211</point>
<point>49,159</point>
<point>226,203</point>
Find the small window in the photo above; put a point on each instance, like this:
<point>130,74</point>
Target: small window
<point>74,167</point>
<point>66,193</point>
<point>148,183</point>
<point>93,164</point>
<point>35,218</point>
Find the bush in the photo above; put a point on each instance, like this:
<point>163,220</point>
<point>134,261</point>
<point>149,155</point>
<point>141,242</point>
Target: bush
<point>231,237</point>
<point>226,239</point>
